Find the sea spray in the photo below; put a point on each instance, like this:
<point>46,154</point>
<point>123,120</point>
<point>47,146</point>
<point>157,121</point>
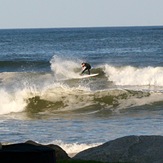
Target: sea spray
<point>12,102</point>
<point>64,68</point>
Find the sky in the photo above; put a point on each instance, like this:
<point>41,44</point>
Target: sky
<point>80,13</point>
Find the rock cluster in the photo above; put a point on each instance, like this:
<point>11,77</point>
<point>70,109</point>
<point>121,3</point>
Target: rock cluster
<point>26,153</point>
<point>133,149</point>
<point>31,152</point>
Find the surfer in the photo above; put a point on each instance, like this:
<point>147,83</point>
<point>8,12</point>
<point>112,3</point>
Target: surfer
<point>86,66</point>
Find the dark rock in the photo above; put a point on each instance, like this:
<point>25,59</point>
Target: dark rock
<point>135,149</point>
<point>59,152</point>
<point>26,153</point>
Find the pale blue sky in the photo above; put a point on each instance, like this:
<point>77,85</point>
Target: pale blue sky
<point>79,13</point>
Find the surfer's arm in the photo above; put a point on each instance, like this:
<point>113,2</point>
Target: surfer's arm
<point>84,69</point>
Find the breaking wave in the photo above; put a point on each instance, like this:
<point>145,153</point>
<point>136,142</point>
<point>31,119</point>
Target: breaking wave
<point>129,75</point>
<point>58,91</point>
<point>59,98</point>
<point>65,99</point>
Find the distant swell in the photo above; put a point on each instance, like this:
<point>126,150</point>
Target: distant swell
<point>10,66</point>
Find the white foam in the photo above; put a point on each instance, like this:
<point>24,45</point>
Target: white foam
<point>15,101</point>
<point>74,148</point>
<point>11,102</point>
<point>129,75</point>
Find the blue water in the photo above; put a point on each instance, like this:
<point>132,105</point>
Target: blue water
<point>43,98</point>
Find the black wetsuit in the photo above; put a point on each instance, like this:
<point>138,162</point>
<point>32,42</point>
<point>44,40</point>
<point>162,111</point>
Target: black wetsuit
<point>87,67</point>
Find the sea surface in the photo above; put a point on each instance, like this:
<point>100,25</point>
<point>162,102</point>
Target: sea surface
<point>43,98</point>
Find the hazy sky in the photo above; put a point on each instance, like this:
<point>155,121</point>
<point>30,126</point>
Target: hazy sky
<point>79,13</point>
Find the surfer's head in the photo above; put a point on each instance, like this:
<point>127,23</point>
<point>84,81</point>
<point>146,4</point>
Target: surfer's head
<point>83,64</point>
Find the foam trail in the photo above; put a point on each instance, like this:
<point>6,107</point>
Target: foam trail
<point>129,75</point>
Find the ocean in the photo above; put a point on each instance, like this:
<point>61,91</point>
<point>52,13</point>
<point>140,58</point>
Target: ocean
<point>43,99</point>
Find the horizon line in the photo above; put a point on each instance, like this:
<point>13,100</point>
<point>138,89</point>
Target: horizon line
<point>127,26</point>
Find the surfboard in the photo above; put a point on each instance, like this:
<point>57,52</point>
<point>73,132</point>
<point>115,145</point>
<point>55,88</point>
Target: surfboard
<point>87,76</point>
